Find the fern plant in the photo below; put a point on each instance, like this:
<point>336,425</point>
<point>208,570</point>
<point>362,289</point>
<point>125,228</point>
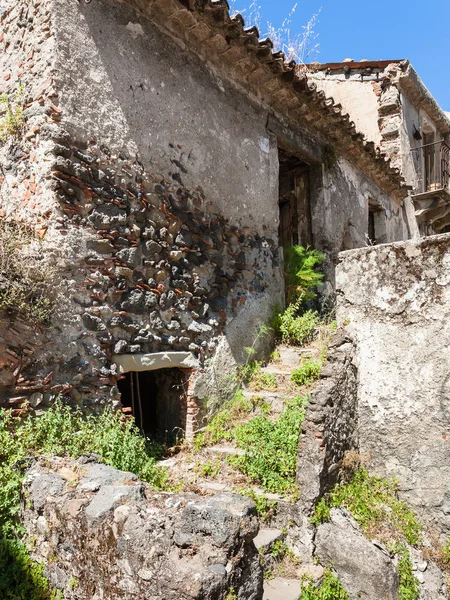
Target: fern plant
<point>301,274</point>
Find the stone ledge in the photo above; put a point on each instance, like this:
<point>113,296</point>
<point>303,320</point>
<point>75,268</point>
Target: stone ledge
<point>156,360</point>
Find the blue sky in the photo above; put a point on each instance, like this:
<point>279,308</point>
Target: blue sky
<point>386,29</point>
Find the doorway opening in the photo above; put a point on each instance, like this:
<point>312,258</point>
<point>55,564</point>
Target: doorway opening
<point>158,401</point>
<point>294,201</point>
<point>376,233</point>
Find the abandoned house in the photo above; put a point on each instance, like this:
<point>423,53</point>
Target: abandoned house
<point>167,157</point>
<point>392,107</point>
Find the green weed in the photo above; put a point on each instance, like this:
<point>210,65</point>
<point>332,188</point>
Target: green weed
<point>265,508</point>
<point>231,594</point>
<point>210,469</point>
<point>374,504</point>
<point>294,327</point>
<point>12,121</point>
<point>63,431</point>
<point>445,553</point>
<point>306,373</point>
<point>329,589</point>
<point>271,447</point>
<point>301,274</point>
<point>223,422</point>
<point>408,583</point>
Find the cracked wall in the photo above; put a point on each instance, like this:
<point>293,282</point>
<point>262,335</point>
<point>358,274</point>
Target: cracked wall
<point>397,301</point>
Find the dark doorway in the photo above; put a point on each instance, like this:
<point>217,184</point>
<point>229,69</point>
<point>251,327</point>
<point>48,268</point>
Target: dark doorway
<point>294,201</point>
<point>376,233</point>
<point>157,400</point>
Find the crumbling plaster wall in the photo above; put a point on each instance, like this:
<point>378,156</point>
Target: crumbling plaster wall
<point>359,99</point>
<point>396,299</point>
<point>340,211</point>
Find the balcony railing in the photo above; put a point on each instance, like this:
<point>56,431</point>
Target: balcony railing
<point>433,167</point>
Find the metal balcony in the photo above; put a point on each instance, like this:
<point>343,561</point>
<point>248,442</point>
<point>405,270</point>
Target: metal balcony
<point>432,195</point>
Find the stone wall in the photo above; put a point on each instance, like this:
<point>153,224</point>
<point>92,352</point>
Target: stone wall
<point>103,534</point>
<point>330,428</point>
<point>396,299</point>
<point>160,236</point>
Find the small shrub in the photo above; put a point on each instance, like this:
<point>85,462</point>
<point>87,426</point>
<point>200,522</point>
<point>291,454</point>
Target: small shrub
<point>373,503</point>
<point>278,549</point>
<point>322,512</point>
<point>307,373</point>
<point>210,468</point>
<point>20,577</point>
<point>271,447</point>
<point>330,588</point>
<point>295,328</point>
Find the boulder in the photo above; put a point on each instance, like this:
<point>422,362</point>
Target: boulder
<point>365,570</point>
<point>103,534</point>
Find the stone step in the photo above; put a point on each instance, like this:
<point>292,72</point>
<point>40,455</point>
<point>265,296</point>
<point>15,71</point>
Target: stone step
<point>225,450</point>
<point>275,399</point>
<point>277,370</point>
<point>266,537</point>
<point>248,393</point>
<point>281,589</point>
<point>259,492</point>
<point>213,486</point>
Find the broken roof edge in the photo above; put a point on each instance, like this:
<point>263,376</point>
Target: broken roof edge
<point>414,87</point>
<point>406,76</point>
<point>221,40</point>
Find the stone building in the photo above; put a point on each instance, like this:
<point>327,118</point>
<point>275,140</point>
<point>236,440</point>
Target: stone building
<point>167,155</point>
<point>392,107</point>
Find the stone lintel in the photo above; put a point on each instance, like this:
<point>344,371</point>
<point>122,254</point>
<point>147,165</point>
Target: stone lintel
<point>156,360</point>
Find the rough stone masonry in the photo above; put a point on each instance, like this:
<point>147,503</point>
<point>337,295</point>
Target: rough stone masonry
<point>102,533</point>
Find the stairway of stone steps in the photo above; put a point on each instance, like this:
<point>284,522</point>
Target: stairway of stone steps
<point>282,587</point>
<point>273,398</point>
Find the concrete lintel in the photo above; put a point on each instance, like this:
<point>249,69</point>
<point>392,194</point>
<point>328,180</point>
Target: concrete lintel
<point>156,360</point>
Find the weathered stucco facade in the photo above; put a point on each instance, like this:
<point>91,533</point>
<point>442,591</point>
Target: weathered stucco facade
<point>156,143</point>
<point>392,107</point>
